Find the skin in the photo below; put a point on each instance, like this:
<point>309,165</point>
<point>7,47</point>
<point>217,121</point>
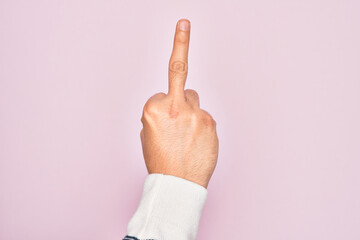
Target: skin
<point>178,137</point>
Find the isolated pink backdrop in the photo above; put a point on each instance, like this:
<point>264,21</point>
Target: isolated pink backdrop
<point>281,78</point>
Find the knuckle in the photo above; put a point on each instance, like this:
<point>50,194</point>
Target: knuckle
<point>214,123</point>
<point>208,120</point>
<point>194,117</point>
<point>178,66</point>
<point>159,95</point>
<point>181,39</point>
<point>192,92</point>
<point>152,106</point>
<point>150,109</point>
<point>174,110</point>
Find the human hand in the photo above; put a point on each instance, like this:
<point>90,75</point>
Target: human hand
<point>178,138</point>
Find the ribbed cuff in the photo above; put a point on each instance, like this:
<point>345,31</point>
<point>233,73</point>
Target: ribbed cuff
<point>170,209</point>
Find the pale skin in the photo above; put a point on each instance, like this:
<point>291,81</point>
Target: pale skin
<point>178,137</point>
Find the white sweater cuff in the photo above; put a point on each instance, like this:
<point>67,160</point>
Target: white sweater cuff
<point>170,209</point>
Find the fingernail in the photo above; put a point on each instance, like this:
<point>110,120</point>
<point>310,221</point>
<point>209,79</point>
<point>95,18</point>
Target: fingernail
<point>184,25</point>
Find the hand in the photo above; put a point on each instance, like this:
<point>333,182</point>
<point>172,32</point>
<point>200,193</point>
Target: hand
<point>178,138</point>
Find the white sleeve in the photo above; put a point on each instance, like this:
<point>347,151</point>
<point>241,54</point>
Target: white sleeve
<point>170,209</point>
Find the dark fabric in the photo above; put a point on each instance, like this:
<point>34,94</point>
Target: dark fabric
<point>130,238</point>
<point>134,238</point>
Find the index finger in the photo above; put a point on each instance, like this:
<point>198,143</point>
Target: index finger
<point>178,65</point>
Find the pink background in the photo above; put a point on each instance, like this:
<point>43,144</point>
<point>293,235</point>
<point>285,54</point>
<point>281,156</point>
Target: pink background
<point>281,78</point>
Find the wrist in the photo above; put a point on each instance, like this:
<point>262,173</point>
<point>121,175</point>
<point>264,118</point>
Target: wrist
<point>194,179</point>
